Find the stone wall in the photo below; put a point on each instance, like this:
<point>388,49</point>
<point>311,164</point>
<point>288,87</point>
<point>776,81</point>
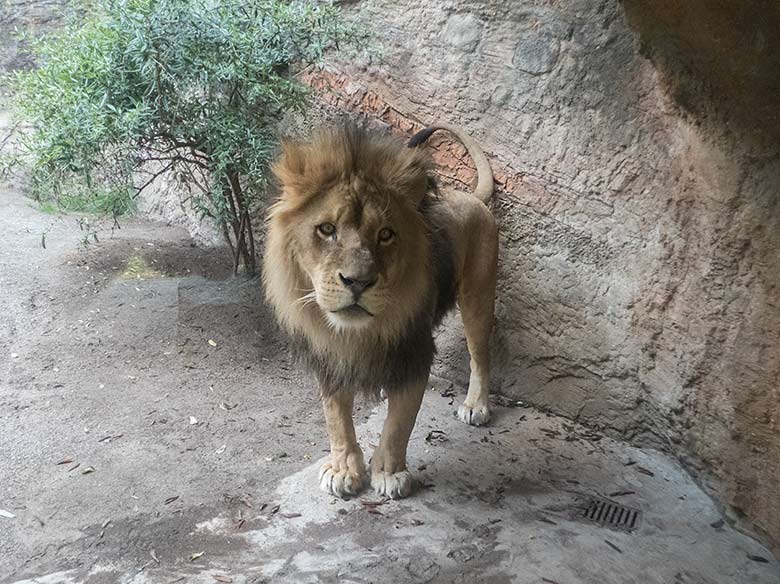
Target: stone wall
<point>638,164</point>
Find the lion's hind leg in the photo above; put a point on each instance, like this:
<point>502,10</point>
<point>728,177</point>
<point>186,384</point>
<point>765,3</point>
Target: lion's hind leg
<point>476,298</point>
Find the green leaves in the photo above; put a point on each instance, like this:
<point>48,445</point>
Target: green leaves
<point>189,85</point>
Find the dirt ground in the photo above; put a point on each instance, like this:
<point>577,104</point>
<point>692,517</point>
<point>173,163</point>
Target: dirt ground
<point>153,429</point>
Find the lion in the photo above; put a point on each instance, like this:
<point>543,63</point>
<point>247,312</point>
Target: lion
<point>364,257</point>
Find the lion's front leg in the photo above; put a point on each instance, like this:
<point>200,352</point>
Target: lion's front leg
<point>344,475</point>
<point>389,476</point>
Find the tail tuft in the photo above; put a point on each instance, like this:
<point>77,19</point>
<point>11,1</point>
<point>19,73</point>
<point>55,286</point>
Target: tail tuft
<point>421,137</point>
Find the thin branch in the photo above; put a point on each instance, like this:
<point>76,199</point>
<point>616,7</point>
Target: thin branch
<point>235,186</point>
<point>240,247</point>
<point>226,235</point>
<point>151,180</point>
<point>11,132</point>
<point>192,176</point>
<point>250,232</point>
<point>175,159</point>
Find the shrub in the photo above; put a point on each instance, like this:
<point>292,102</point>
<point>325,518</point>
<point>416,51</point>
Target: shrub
<point>144,87</point>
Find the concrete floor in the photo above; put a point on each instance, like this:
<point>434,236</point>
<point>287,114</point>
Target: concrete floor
<point>134,450</point>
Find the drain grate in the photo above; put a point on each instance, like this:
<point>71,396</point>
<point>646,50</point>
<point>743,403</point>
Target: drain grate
<point>609,514</point>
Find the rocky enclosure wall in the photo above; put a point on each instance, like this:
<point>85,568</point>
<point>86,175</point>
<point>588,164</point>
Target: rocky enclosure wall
<point>638,166</point>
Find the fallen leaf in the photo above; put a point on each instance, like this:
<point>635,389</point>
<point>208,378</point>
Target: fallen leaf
<point>195,556</point>
<point>6,514</point>
<point>65,461</point>
<point>221,449</point>
<point>436,436</point>
<point>219,578</point>
<point>545,520</point>
<point>193,420</point>
<point>88,470</point>
<point>212,343</point>
<point>622,493</point>
<point>170,500</point>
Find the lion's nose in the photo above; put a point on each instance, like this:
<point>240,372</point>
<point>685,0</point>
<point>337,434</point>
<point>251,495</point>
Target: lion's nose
<point>355,285</point>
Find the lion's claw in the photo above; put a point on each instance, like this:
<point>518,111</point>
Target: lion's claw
<point>341,483</point>
<point>476,416</point>
<point>394,485</point>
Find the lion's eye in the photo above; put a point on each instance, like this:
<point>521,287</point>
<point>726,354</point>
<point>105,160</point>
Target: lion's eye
<point>386,235</point>
<point>326,229</point>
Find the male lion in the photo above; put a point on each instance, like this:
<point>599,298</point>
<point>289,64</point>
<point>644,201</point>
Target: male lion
<point>363,260</point>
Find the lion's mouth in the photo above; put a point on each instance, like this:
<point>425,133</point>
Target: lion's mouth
<point>353,310</point>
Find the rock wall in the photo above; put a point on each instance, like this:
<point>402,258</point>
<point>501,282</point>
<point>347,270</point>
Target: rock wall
<point>638,163</point>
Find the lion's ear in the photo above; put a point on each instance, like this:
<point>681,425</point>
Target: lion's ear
<point>290,168</point>
<point>413,177</point>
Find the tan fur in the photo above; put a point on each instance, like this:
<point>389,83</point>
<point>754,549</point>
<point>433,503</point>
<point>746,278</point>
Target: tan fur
<point>363,184</point>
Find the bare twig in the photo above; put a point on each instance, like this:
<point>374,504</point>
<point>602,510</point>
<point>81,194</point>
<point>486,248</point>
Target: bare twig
<point>240,243</point>
<point>235,187</point>
<point>154,176</point>
<point>11,132</point>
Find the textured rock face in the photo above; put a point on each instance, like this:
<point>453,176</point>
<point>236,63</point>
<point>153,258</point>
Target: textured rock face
<point>636,150</point>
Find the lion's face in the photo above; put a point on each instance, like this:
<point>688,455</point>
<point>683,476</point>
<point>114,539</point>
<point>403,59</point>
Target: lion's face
<point>353,244</point>
<point>346,238</point>
<point>356,247</point>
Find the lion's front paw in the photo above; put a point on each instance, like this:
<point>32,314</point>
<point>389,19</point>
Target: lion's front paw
<point>474,416</point>
<point>394,485</point>
<point>342,482</point>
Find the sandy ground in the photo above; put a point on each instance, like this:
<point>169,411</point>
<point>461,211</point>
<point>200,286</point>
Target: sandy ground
<point>153,429</point>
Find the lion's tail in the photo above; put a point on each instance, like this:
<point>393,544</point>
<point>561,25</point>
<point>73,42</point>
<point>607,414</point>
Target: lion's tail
<point>484,188</point>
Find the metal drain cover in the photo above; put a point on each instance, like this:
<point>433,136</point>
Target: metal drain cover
<point>612,515</point>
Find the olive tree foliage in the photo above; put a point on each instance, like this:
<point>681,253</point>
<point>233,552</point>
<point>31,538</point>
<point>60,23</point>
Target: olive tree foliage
<point>139,88</point>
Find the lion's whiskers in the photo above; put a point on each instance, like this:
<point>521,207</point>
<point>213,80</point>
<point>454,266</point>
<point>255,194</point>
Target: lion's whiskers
<point>306,299</point>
